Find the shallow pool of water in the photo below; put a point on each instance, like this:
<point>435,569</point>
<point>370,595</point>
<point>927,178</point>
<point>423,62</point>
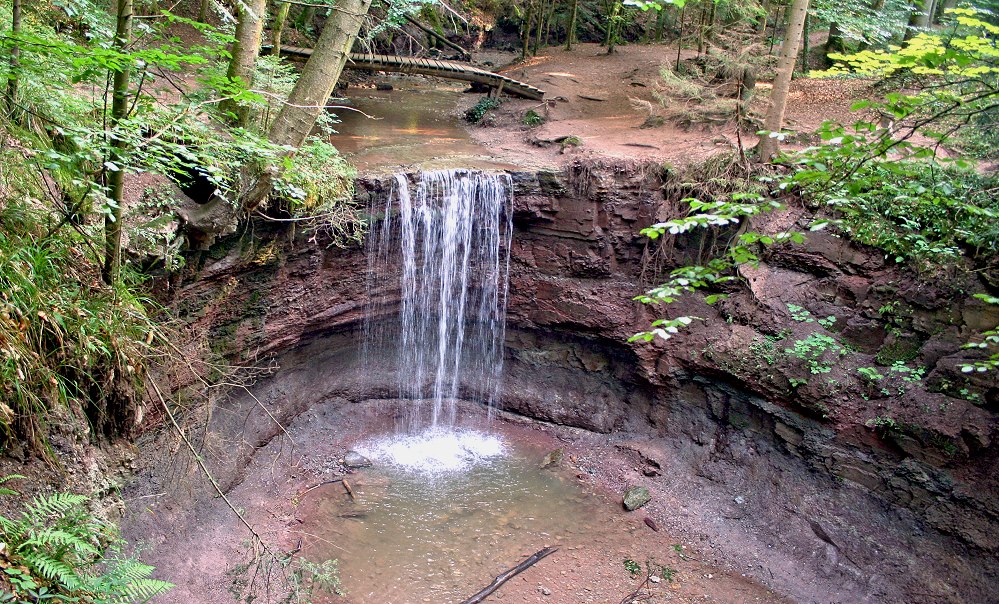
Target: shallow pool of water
<point>414,535</point>
<point>404,127</point>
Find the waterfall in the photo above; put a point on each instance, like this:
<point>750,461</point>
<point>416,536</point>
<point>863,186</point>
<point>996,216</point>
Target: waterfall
<point>438,260</point>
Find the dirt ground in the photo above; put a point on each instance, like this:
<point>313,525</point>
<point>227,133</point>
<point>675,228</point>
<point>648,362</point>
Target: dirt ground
<point>590,95</point>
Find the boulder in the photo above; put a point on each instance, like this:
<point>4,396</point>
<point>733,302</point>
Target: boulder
<point>636,497</point>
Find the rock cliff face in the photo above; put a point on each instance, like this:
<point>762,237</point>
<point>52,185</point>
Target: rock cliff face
<point>831,484</point>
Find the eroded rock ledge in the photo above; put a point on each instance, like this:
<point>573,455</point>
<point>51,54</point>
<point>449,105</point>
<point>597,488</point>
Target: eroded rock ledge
<point>847,492</point>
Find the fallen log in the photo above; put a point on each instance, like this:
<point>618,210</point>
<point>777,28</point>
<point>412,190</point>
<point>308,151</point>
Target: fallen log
<point>506,576</point>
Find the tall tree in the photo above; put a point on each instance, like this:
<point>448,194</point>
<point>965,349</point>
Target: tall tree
<point>570,29</point>
<point>15,54</point>
<point>114,170</point>
<point>782,83</point>
<point>919,18</point>
<point>245,48</point>
<point>277,29</point>
<point>308,99</point>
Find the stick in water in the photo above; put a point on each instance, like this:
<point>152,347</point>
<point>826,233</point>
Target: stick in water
<point>513,572</point>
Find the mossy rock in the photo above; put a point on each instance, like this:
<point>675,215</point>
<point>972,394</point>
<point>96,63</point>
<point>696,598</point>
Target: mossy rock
<point>636,497</point>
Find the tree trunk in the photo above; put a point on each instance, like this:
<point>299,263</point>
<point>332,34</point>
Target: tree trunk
<point>245,49</point>
<point>919,19</point>
<point>835,41</point>
<point>679,39</point>
<point>612,26</point>
<point>308,99</point>
<point>805,46</point>
<point>15,55</point>
<point>761,26</point>
<point>525,34</point>
<point>942,12</point>
<point>203,11</point>
<point>785,69</point>
<point>278,28</point>
<point>116,178</point>
<point>710,33</point>
<point>660,24</point>
<point>541,26</point>
<point>570,30</point>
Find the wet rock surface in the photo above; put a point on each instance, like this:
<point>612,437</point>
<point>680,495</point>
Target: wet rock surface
<point>826,487</point>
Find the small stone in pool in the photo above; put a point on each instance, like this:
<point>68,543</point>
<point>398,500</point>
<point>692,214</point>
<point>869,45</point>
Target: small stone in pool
<point>353,459</point>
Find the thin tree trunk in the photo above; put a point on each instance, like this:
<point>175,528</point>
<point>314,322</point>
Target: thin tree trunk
<point>942,12</point>
<point>278,28</point>
<point>777,22</point>
<point>679,39</point>
<point>570,33</point>
<point>541,26</point>
<point>116,178</point>
<point>700,29</point>
<point>203,11</point>
<point>525,35</point>
<point>660,24</point>
<point>246,47</point>
<point>15,63</point>
<point>761,27</point>
<point>919,19</point>
<point>308,99</point>
<point>612,26</point>
<point>710,33</point>
<point>785,69</point>
<point>805,46</point>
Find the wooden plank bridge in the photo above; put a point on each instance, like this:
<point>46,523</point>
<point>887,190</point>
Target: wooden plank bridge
<point>443,69</point>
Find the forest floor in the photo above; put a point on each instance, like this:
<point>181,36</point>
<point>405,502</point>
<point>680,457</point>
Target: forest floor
<point>605,100</point>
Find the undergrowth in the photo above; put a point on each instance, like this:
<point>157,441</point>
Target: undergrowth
<point>57,551</point>
<point>70,346</point>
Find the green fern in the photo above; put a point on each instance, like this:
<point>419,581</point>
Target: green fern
<point>71,555</point>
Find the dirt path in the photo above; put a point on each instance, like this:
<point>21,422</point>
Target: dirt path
<point>601,99</point>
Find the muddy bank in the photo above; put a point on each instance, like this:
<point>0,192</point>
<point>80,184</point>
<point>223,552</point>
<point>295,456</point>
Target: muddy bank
<point>772,470</point>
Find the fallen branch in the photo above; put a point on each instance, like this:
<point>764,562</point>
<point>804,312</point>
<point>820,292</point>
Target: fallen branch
<point>346,487</point>
<point>506,576</point>
<point>316,486</point>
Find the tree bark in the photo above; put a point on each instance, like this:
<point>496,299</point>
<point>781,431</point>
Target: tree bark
<point>525,35</point>
<point>319,76</point>
<point>919,18</point>
<point>612,26</point>
<point>15,62</point>
<point>278,28</point>
<point>246,47</point>
<point>203,11</point>
<point>805,46</point>
<point>570,30</point>
<point>116,178</point>
<point>785,70</point>
<point>942,12</point>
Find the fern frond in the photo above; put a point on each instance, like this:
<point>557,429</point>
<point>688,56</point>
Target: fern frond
<point>59,539</point>
<point>8,478</point>
<point>52,569</point>
<point>57,504</point>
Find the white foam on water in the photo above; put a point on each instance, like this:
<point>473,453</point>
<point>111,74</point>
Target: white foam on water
<point>435,450</point>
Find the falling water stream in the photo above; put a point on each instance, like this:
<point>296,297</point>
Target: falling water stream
<point>441,254</point>
<point>445,506</point>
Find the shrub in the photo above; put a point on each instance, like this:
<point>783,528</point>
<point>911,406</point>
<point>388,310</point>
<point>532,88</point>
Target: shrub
<point>58,551</point>
<point>479,111</point>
